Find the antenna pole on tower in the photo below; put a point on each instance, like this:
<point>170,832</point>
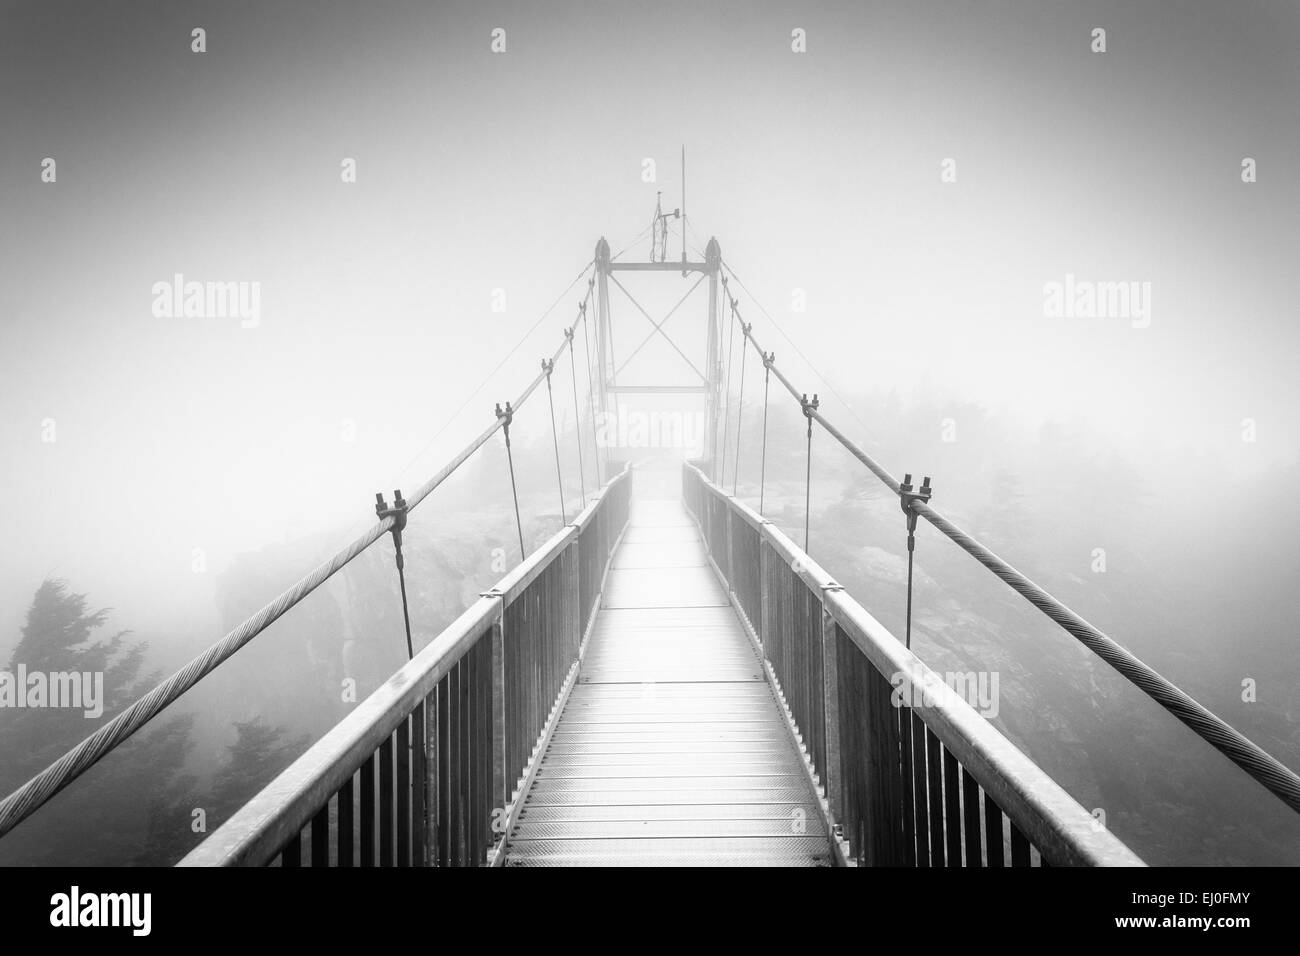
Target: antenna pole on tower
<point>683,210</point>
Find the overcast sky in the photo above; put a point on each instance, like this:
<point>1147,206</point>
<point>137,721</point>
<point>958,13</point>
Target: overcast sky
<point>817,171</point>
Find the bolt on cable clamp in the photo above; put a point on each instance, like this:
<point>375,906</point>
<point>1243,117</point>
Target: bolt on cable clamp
<point>769,358</point>
<point>508,414</point>
<point>398,513</point>
<point>547,366</point>
<point>907,497</point>
<point>809,406</point>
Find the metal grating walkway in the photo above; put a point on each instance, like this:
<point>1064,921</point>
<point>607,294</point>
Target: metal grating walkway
<point>671,749</point>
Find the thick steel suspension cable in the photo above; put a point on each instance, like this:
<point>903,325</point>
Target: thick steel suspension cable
<point>1245,753</point>
<point>27,798</point>
<point>39,789</point>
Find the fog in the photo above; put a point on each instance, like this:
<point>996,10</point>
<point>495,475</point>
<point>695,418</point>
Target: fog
<point>181,470</point>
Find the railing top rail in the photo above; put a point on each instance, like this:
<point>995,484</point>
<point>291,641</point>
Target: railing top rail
<point>1053,820</point>
<point>519,577</point>
<point>812,573</point>
<point>262,826</point>
<point>1064,832</point>
<point>257,831</point>
<point>1262,766</point>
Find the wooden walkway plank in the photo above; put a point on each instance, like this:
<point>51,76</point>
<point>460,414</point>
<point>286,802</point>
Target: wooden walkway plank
<point>671,749</point>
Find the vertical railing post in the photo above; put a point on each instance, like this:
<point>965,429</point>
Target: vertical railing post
<point>500,772</point>
<point>765,556</point>
<point>833,773</point>
<point>885,794</point>
<point>572,596</point>
<point>729,546</point>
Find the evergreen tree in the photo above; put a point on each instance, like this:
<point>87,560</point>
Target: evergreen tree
<point>98,819</point>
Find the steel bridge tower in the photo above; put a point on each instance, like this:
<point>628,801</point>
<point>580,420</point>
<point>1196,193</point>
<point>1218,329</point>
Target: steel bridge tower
<point>709,384</point>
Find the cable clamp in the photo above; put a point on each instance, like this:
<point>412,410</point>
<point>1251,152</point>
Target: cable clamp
<point>547,366</point>
<point>508,416</point>
<point>809,406</point>
<point>907,497</point>
<point>398,513</point>
<point>768,359</point>
<point>568,336</point>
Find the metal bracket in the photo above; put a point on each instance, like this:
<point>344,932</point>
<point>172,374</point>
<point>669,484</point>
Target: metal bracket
<point>398,513</point>
<point>907,497</point>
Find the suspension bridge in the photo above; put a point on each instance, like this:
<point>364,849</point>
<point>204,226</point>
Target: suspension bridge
<point>669,679</point>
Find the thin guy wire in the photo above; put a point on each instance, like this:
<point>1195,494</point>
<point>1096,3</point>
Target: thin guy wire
<point>577,421</point>
<point>762,468</point>
<point>740,411</point>
<point>555,440</point>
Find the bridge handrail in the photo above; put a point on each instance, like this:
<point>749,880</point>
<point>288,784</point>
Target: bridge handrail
<point>1063,831</point>
<point>1262,766</point>
<point>37,791</point>
<point>258,830</point>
